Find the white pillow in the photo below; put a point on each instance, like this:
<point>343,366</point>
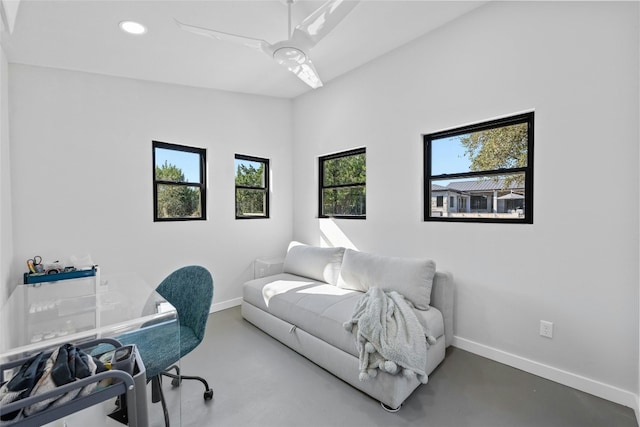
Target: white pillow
<point>316,263</point>
<point>410,277</point>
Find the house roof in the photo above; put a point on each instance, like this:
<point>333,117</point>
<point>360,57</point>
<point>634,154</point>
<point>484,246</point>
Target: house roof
<point>436,187</point>
<point>477,185</point>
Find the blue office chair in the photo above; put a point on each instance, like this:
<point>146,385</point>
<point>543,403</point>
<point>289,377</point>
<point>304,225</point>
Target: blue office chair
<point>190,291</point>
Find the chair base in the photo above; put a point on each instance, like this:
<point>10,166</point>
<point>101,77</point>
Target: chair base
<point>157,395</point>
<point>177,379</point>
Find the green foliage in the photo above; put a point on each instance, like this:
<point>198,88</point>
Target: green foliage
<point>346,200</point>
<point>169,172</point>
<point>176,201</point>
<point>498,148</point>
<point>250,201</point>
<point>250,176</point>
<point>350,201</point>
<point>345,170</point>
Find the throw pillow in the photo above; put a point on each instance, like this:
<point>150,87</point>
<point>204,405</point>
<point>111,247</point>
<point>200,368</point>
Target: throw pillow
<point>412,278</point>
<point>316,263</point>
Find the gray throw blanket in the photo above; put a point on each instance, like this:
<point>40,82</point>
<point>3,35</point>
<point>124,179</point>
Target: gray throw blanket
<point>389,336</point>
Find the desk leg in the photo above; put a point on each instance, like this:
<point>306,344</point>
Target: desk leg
<point>132,406</point>
<point>141,400</point>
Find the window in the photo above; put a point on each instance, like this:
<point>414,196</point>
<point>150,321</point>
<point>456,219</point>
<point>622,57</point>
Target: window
<point>179,182</point>
<point>342,181</point>
<point>485,169</point>
<point>252,187</point>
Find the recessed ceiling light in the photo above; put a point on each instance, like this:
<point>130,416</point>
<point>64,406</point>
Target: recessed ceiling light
<point>132,27</point>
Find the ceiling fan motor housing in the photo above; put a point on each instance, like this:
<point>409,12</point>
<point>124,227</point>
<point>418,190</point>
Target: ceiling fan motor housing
<point>289,56</point>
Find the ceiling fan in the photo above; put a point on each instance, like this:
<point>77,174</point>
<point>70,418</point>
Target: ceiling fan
<point>292,53</point>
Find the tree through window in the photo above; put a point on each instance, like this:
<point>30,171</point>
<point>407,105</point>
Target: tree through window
<point>179,177</point>
<point>343,179</point>
<point>252,187</point>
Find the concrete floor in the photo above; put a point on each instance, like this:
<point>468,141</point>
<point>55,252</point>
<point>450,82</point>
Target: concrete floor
<point>260,382</point>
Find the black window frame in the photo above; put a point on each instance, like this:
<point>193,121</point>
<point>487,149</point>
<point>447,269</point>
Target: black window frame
<point>201,185</point>
<point>527,118</point>
<point>322,187</point>
<point>265,188</point>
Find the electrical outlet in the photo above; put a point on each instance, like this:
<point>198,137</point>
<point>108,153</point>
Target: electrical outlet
<point>546,329</point>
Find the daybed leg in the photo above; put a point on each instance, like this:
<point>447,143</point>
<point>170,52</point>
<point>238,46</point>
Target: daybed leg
<point>389,408</point>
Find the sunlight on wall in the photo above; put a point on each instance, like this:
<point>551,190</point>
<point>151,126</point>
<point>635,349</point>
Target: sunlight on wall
<point>332,236</point>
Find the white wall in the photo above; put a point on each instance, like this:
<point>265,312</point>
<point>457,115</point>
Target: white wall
<point>84,182</point>
<point>6,234</point>
<point>576,65</point>
<point>9,13</point>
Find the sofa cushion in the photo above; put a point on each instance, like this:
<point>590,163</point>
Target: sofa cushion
<point>316,263</point>
<point>410,277</point>
<point>319,308</point>
<point>254,291</point>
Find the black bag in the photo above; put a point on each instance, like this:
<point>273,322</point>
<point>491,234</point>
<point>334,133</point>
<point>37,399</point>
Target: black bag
<point>22,383</point>
<point>42,373</point>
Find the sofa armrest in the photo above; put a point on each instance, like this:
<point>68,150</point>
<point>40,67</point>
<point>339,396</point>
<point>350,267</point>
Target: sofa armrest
<point>263,267</point>
<point>442,299</point>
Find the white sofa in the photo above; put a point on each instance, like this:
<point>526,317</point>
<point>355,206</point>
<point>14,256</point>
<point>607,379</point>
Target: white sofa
<point>306,305</point>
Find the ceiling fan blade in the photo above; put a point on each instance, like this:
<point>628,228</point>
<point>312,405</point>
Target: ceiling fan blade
<point>257,44</point>
<point>320,23</point>
<point>307,73</point>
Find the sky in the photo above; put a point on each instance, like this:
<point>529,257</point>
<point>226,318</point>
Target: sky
<point>447,156</point>
<point>189,163</point>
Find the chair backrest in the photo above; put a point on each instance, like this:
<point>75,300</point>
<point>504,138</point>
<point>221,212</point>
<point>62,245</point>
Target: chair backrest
<point>190,290</point>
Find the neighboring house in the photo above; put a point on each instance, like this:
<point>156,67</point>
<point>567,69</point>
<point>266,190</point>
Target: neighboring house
<point>485,196</point>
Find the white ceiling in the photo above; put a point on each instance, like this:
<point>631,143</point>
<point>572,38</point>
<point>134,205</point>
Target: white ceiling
<point>84,35</point>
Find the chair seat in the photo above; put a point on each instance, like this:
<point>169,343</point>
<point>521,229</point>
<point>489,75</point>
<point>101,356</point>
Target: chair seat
<point>152,345</point>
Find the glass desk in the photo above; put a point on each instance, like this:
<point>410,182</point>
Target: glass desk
<point>46,315</point>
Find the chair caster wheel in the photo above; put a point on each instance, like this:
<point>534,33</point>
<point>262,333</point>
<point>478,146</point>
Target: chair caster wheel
<point>208,395</point>
<point>175,382</point>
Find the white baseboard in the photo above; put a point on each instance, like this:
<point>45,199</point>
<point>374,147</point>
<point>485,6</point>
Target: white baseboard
<point>588,385</point>
<point>225,304</point>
